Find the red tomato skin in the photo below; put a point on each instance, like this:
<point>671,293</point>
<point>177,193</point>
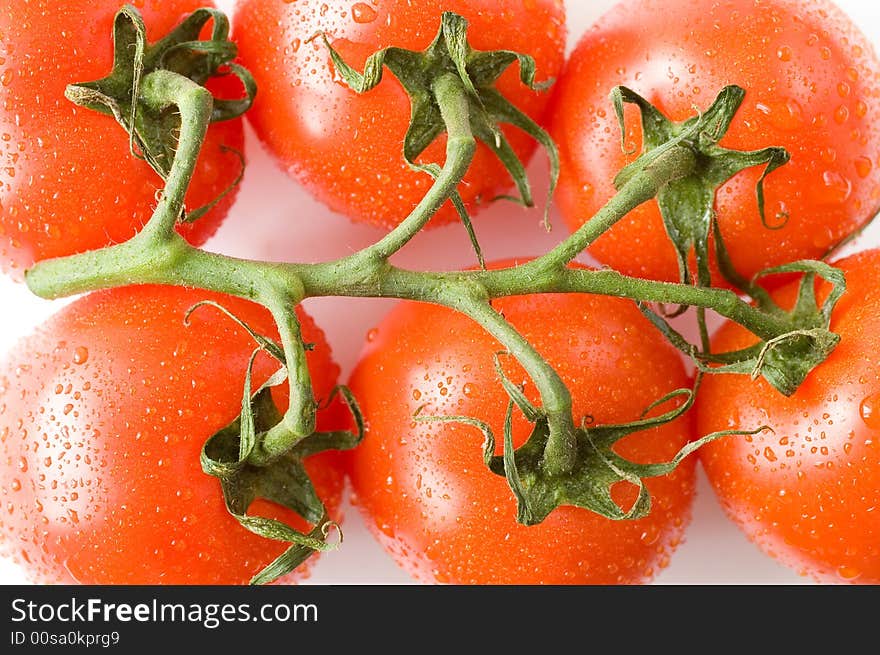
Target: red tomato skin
<point>807,493</point>
<point>423,488</point>
<point>103,414</point>
<point>68,181</point>
<point>347,149</point>
<point>812,86</point>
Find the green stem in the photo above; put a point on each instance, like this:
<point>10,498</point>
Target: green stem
<point>454,106</point>
<point>157,247</point>
<point>560,455</point>
<point>159,255</point>
<point>162,89</point>
<point>299,419</point>
<point>676,163</point>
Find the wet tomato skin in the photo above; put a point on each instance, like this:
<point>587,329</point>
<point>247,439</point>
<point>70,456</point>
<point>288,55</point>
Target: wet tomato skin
<point>68,180</point>
<point>423,487</point>
<point>103,413</point>
<point>812,85</point>
<point>807,493</point>
<point>347,149</point>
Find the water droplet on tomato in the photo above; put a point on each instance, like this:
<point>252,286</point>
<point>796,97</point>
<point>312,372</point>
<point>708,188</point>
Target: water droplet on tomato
<point>848,572</point>
<point>372,334</point>
<point>650,535</point>
<point>363,13</point>
<point>15,485</point>
<point>837,187</point>
<point>786,113</point>
<point>81,355</point>
<point>784,53</point>
<point>22,464</point>
<point>863,166</point>
<point>870,411</point>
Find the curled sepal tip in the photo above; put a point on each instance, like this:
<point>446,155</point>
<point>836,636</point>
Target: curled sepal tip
<point>803,339</point>
<point>478,72</point>
<point>687,204</point>
<point>598,468</point>
<point>153,130</point>
<point>281,479</point>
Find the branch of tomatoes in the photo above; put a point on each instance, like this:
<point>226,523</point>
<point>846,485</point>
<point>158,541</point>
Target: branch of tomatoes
<point>156,92</point>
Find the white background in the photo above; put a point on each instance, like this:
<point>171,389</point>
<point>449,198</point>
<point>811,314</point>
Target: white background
<point>274,219</point>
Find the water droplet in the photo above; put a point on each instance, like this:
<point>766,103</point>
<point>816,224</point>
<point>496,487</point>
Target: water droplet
<point>769,454</point>
<point>650,535</point>
<point>363,13</point>
<point>81,355</point>
<point>863,166</point>
<point>870,411</point>
<point>848,572</point>
<point>372,334</point>
<point>784,53</point>
<point>15,485</point>
<point>837,187</point>
<point>786,114</point>
<point>22,464</point>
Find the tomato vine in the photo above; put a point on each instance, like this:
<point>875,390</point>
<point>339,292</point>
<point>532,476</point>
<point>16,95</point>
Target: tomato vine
<point>157,89</point>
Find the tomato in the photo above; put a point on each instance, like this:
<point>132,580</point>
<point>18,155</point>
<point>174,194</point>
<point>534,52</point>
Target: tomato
<point>423,487</point>
<point>812,86</point>
<point>347,149</point>
<point>807,493</point>
<point>68,182</point>
<point>103,414</point>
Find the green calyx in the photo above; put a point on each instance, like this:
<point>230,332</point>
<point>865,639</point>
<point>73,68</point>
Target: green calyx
<point>153,130</point>
<point>802,341</point>
<point>537,483</point>
<point>687,204</point>
<point>282,480</point>
<point>477,71</point>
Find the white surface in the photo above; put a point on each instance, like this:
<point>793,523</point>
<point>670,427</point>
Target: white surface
<point>715,551</point>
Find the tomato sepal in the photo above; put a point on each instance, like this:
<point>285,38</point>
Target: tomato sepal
<point>788,357</point>
<point>153,131</point>
<point>598,467</point>
<point>488,109</point>
<point>284,481</point>
<point>687,204</point>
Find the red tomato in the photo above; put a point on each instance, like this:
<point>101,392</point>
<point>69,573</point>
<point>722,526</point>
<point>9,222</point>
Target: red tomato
<point>68,182</point>
<point>812,86</point>
<point>347,148</point>
<point>808,492</point>
<point>103,414</point>
<point>423,487</point>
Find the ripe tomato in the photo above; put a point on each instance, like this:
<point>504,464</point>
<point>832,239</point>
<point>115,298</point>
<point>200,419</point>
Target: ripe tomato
<point>346,148</point>
<point>68,182</point>
<point>103,414</point>
<point>808,492</point>
<point>812,86</point>
<point>423,487</point>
